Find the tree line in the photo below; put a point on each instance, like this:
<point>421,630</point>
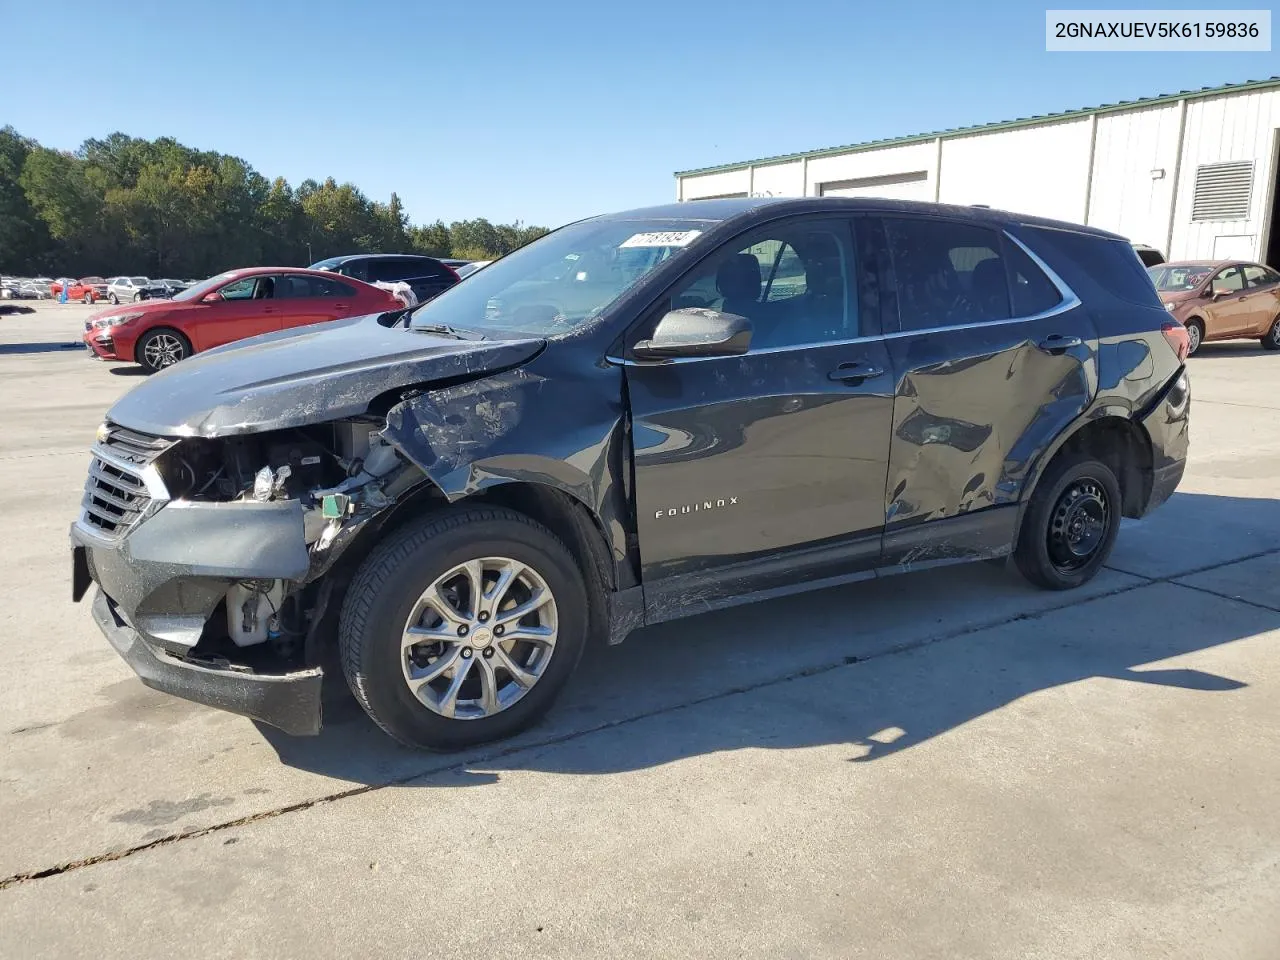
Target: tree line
<point>129,205</point>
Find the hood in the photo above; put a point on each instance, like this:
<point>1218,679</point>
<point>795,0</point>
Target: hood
<point>302,376</point>
<point>1177,296</point>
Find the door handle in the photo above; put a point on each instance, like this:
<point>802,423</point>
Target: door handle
<point>854,371</point>
<point>1056,343</point>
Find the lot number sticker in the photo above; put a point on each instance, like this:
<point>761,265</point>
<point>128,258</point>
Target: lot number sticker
<point>672,238</point>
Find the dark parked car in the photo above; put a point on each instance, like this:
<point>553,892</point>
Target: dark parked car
<point>635,418</point>
<point>426,276</point>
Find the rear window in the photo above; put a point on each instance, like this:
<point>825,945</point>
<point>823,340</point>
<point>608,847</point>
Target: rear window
<point>948,273</point>
<point>1033,292</point>
<point>1110,264</point>
<point>391,270</point>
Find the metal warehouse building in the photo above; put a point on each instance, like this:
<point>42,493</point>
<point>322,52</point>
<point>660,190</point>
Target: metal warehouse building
<point>1192,173</point>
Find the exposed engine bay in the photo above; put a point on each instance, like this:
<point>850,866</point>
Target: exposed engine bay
<point>341,473</point>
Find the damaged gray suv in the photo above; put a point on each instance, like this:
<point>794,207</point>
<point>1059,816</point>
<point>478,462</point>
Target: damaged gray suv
<point>638,417</point>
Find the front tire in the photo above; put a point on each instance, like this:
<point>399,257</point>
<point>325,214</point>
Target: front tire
<point>113,299</point>
<point>463,628</point>
<point>88,299</point>
<point>1070,525</point>
<point>1271,339</point>
<point>160,348</point>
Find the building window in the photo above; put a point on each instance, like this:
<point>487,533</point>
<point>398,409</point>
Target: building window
<point>1223,191</point>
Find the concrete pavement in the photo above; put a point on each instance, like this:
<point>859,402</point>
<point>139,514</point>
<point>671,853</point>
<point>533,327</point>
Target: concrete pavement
<point>987,770</point>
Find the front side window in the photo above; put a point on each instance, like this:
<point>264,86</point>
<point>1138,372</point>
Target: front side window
<point>1228,281</point>
<point>242,289</point>
<point>561,281</point>
<point>947,273</point>
<point>794,284</point>
<point>138,281</point>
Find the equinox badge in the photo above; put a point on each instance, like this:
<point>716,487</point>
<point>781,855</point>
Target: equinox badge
<point>696,507</point>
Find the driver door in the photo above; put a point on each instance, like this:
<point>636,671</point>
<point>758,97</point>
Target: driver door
<point>1229,311</point>
<point>246,309</point>
<point>758,471</point>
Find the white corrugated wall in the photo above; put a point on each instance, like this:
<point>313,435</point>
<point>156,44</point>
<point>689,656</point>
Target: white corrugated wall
<point>1044,169</point>
<point>1134,166</point>
<point>1040,170</point>
<point>1238,127</point>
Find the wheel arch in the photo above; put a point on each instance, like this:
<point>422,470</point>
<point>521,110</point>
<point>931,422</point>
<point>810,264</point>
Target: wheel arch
<point>161,327</point>
<point>565,515</point>
<point>1114,437</point>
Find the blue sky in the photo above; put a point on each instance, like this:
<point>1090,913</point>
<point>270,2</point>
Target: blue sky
<point>547,112</point>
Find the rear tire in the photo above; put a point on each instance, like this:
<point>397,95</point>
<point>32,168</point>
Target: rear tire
<point>1071,523</point>
<point>1271,339</point>
<point>160,348</point>
<point>442,693</point>
<point>1195,336</point>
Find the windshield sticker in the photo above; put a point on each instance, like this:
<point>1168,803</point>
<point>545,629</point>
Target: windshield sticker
<point>670,238</point>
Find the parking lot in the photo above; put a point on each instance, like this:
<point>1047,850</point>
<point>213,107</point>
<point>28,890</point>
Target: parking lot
<point>946,764</point>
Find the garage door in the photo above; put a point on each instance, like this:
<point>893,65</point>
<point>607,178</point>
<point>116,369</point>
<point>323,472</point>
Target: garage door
<point>896,186</point>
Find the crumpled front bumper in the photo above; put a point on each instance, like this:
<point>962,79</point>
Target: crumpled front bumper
<point>159,583</point>
<point>289,701</point>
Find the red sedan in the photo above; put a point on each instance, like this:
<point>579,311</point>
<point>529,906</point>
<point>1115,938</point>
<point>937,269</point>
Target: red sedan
<point>228,307</point>
<point>86,289</point>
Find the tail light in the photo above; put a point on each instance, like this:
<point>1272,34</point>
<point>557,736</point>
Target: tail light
<point>1175,334</point>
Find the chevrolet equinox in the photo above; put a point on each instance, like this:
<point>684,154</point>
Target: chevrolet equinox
<point>635,418</point>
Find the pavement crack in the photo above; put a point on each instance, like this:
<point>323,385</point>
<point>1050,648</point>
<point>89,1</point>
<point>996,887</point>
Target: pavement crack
<point>544,742</point>
<point>1227,596</point>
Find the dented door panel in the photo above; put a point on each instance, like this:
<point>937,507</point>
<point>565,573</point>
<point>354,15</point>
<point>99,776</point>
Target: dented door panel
<point>975,406</point>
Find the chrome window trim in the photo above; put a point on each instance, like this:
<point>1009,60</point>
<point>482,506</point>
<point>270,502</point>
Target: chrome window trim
<point>1069,302</point>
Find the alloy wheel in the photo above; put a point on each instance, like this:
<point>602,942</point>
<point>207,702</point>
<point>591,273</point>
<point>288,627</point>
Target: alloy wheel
<point>1274,333</point>
<point>1078,524</point>
<point>1193,338</point>
<point>163,350</point>
<point>479,638</point>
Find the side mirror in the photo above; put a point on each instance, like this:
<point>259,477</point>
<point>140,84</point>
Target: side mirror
<point>211,297</point>
<point>1218,295</point>
<point>696,332</point>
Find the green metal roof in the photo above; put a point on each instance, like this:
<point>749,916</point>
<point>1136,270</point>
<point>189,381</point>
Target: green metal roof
<point>998,125</point>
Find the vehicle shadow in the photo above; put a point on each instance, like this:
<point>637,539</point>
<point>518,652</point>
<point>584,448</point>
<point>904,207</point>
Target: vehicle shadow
<point>132,370</point>
<point>50,347</point>
<point>856,665</point>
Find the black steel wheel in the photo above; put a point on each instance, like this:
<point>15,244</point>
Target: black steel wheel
<point>1071,523</point>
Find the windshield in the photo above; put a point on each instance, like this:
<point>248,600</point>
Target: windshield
<point>1175,277</point>
<point>139,281</point>
<point>204,286</point>
<point>561,281</point>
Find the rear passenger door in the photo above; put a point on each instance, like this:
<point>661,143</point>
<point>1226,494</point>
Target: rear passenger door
<point>992,360</point>
<point>1262,287</point>
<point>298,301</point>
